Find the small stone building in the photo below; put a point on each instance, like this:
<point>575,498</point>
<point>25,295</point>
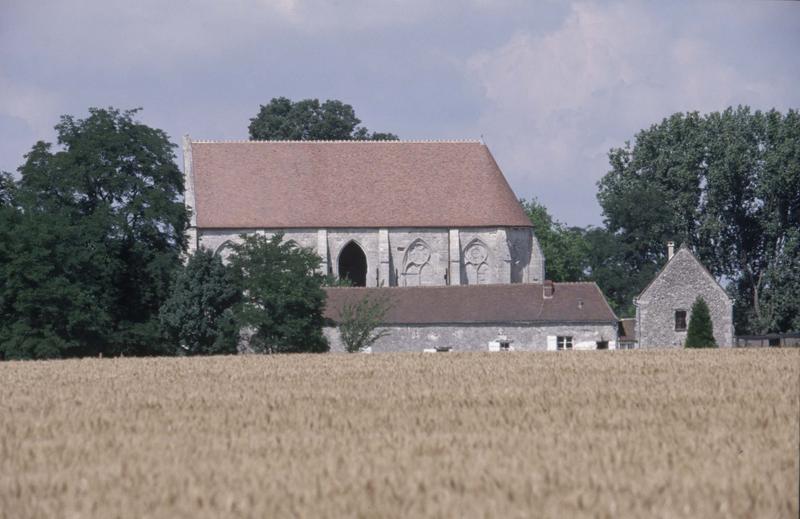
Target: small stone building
<point>524,317</point>
<point>663,309</point>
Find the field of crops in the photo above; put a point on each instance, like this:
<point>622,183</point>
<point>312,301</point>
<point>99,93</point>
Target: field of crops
<point>575,434</point>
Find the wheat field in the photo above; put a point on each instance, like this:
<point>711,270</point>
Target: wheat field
<point>568,434</point>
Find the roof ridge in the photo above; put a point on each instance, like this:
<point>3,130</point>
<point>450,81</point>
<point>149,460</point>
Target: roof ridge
<point>431,287</point>
<point>352,141</point>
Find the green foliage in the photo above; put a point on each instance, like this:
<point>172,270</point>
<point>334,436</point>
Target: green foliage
<point>330,280</point>
<point>358,321</point>
<point>608,264</point>
<point>564,248</point>
<point>309,119</point>
<point>95,231</point>
<point>701,331</point>
<point>780,303</point>
<point>6,189</point>
<point>283,297</point>
<point>198,316</point>
<point>727,184</point>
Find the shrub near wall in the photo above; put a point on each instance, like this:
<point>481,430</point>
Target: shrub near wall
<point>701,330</point>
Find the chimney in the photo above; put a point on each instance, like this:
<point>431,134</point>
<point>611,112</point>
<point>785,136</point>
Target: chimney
<point>670,250</point>
<point>548,289</point>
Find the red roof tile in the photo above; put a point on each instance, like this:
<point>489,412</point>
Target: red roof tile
<point>317,184</point>
<point>571,302</point>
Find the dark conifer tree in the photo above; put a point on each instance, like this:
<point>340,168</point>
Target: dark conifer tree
<point>701,331</point>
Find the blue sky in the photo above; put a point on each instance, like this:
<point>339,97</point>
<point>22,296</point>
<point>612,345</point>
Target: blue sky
<point>551,86</point>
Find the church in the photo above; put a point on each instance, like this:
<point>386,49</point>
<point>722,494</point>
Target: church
<point>433,225</point>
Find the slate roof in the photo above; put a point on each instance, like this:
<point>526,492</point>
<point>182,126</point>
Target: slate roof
<point>522,303</point>
<point>367,184</point>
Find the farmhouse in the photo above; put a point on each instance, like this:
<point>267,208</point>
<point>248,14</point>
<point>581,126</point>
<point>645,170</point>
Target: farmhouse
<point>521,317</point>
<point>663,309</point>
<point>432,224</point>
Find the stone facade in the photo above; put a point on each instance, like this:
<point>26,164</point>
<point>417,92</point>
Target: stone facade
<point>395,256</point>
<point>674,290</point>
<point>477,336</point>
<point>412,256</point>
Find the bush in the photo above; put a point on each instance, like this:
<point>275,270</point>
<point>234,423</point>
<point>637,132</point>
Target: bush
<point>283,298</point>
<point>198,316</point>
<point>358,321</point>
<point>701,330</point>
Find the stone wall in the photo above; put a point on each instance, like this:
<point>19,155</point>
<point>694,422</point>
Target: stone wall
<point>412,256</point>
<point>681,281</point>
<point>476,337</point>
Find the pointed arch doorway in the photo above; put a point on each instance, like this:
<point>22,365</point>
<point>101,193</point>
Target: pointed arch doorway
<point>353,264</point>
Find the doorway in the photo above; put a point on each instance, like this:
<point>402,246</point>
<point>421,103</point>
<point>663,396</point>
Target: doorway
<point>353,265</point>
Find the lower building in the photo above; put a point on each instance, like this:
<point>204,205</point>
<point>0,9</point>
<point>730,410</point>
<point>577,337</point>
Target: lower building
<point>521,317</point>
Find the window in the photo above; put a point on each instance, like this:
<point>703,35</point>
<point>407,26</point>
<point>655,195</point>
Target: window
<point>680,320</point>
<point>564,342</point>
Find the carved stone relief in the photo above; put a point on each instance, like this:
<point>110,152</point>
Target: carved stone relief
<point>476,256</point>
<point>416,267</point>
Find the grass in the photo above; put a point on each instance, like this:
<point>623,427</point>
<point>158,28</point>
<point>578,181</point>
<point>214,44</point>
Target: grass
<point>575,434</point>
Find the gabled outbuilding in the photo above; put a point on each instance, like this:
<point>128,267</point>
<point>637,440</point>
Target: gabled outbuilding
<point>664,307</point>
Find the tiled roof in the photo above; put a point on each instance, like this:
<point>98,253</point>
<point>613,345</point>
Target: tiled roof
<point>313,184</point>
<point>571,302</point>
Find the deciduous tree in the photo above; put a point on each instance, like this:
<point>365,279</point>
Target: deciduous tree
<point>564,248</point>
<point>198,317</point>
<point>308,119</point>
<point>359,321</point>
<point>97,234</point>
<point>728,184</point>
<point>283,297</point>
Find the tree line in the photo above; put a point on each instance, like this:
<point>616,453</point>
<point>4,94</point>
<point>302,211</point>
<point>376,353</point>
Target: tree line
<point>726,183</point>
<point>92,234</point>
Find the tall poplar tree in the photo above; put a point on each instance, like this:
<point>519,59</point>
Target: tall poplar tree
<point>728,184</point>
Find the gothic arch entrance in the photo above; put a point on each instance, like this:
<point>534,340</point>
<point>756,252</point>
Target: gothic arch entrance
<point>353,264</point>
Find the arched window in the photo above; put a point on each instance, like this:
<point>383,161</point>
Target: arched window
<point>476,263</point>
<point>353,264</point>
<point>224,251</point>
<point>417,269</point>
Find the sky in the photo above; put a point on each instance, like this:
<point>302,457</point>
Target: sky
<point>550,86</point>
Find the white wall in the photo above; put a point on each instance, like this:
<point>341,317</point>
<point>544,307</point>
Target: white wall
<point>476,337</point>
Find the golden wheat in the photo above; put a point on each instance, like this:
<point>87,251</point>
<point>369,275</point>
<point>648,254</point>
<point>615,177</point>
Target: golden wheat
<point>593,434</point>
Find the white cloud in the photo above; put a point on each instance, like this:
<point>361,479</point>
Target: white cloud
<point>558,102</point>
<point>31,104</point>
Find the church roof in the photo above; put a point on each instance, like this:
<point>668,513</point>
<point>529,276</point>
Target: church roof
<point>313,184</point>
<point>521,303</point>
